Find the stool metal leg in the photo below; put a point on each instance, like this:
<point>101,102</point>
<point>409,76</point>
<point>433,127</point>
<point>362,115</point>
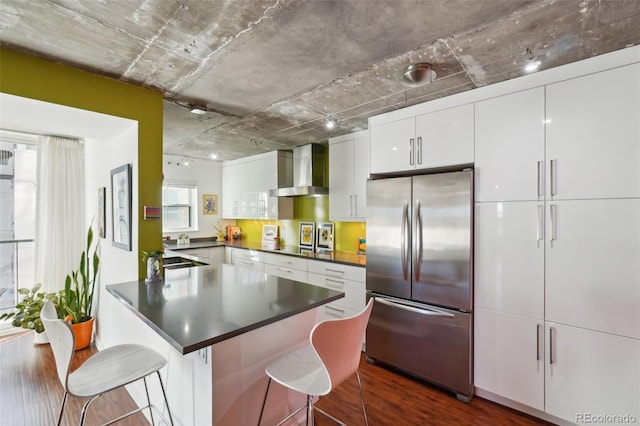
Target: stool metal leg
<point>165,398</point>
<point>146,390</point>
<point>364,411</point>
<point>264,401</point>
<point>64,399</point>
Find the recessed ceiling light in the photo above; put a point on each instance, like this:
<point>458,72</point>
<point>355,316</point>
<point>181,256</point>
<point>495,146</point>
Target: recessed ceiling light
<point>185,162</point>
<point>198,110</point>
<point>213,156</point>
<point>532,65</point>
<point>331,123</point>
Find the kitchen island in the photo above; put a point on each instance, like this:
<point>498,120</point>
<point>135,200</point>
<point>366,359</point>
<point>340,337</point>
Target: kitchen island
<point>237,320</point>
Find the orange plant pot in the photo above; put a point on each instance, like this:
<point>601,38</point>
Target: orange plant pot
<point>83,332</point>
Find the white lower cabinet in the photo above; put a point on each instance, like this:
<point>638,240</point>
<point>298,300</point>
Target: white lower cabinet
<point>285,266</point>
<point>210,255</point>
<point>509,356</point>
<point>339,277</point>
<point>245,258</point>
<point>564,371</point>
<point>591,373</point>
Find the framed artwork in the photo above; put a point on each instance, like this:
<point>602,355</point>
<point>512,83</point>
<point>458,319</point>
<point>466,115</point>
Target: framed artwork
<point>269,232</point>
<point>102,212</point>
<point>209,204</point>
<point>121,206</point>
<point>325,235</point>
<point>307,234</point>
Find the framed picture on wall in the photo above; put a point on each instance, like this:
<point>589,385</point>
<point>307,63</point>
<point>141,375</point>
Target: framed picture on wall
<point>325,236</point>
<point>102,212</point>
<point>307,234</point>
<point>209,204</point>
<point>121,206</point>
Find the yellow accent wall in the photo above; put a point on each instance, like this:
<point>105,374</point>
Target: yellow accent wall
<point>31,77</point>
<point>307,209</point>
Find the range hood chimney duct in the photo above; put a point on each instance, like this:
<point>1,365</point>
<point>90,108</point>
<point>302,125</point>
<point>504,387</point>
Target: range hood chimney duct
<point>309,178</point>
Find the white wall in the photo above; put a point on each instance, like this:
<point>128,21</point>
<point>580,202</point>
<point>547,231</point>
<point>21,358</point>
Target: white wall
<point>116,265</point>
<point>207,176</point>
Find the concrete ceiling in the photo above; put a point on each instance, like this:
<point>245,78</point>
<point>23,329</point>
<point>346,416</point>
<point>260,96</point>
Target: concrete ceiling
<point>271,72</point>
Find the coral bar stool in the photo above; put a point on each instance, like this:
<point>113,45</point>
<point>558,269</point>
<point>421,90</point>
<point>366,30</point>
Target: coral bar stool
<point>332,356</point>
<point>104,371</point>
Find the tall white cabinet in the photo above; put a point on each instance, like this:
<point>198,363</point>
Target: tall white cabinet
<point>348,174</point>
<point>557,256</point>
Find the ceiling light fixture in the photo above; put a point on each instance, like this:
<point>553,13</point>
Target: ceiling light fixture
<point>213,156</point>
<point>198,110</point>
<point>331,123</point>
<point>532,65</point>
<point>420,73</point>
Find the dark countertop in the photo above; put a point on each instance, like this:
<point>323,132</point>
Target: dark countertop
<point>197,307</point>
<point>347,258</point>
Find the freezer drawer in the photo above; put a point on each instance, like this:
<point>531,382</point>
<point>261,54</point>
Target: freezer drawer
<point>428,342</point>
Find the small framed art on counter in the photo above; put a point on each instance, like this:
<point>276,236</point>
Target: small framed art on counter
<point>325,236</point>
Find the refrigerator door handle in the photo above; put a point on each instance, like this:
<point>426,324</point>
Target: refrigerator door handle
<point>417,246</point>
<point>423,311</point>
<point>405,242</point>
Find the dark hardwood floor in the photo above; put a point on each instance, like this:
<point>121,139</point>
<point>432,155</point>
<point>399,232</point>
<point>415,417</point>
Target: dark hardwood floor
<point>30,394</point>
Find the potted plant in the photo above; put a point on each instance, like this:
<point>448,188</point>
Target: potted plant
<point>219,232</point>
<point>154,265</point>
<point>26,313</point>
<point>77,297</point>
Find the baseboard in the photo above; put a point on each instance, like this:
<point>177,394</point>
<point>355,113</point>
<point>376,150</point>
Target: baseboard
<point>521,407</point>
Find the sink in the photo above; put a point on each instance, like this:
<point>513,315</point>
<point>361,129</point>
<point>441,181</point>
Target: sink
<point>180,262</point>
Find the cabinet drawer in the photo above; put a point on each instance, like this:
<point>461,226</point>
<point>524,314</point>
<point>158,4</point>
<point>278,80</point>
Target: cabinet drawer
<point>286,272</point>
<point>354,292</point>
<point>250,255</point>
<point>338,270</point>
<point>333,311</point>
<point>249,264</point>
<point>291,262</point>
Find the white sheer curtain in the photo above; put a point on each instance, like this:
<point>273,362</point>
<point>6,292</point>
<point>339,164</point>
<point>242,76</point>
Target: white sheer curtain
<point>60,229</point>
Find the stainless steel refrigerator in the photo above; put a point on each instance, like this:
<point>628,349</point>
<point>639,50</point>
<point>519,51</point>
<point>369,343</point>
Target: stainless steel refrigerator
<point>419,270</point>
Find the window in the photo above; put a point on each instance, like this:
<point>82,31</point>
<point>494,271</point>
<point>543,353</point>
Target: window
<point>18,160</point>
<point>179,208</point>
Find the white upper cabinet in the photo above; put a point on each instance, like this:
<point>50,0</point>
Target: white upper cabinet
<point>348,174</point>
<point>593,135</point>
<point>437,139</point>
<point>509,147</point>
<point>393,146</point>
<point>234,191</point>
<point>445,138</point>
<point>246,183</point>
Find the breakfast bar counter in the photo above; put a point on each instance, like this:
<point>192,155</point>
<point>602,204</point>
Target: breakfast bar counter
<point>200,306</point>
<point>228,323</point>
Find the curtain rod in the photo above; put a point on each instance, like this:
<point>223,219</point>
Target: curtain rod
<point>41,134</point>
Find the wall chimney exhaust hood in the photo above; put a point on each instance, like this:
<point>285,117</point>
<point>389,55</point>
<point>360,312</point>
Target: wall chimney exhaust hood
<point>309,178</point>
